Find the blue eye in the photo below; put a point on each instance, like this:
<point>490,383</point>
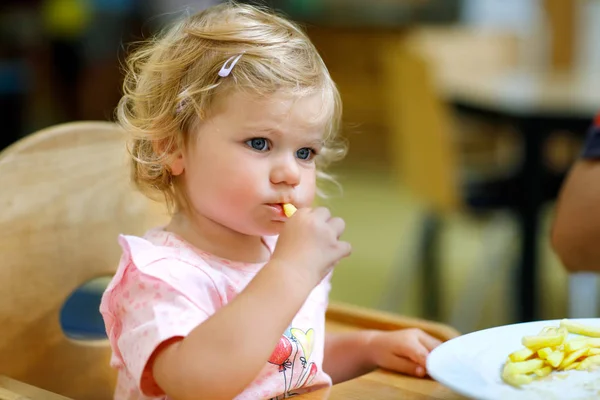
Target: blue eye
<point>305,153</point>
<point>260,144</point>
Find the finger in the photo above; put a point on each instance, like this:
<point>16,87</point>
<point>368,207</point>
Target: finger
<point>403,366</point>
<point>429,341</point>
<point>322,213</point>
<point>303,210</point>
<point>413,350</point>
<point>345,249</point>
<point>338,226</point>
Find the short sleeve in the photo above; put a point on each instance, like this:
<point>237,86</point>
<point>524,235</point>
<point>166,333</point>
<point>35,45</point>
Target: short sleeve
<point>326,284</point>
<point>591,148</point>
<point>151,300</point>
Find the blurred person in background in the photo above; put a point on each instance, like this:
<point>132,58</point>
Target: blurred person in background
<point>576,228</point>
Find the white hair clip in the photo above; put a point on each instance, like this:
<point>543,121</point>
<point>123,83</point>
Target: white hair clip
<point>228,65</point>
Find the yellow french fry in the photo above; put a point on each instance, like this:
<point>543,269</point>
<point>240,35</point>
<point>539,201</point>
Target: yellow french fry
<point>573,366</point>
<point>515,379</point>
<point>550,350</point>
<point>544,371</point>
<point>588,362</point>
<point>580,329</point>
<point>289,209</point>
<point>518,380</point>
<point>543,353</point>
<point>521,355</point>
<point>577,344</point>
<point>593,352</point>
<point>590,342</point>
<point>539,342</point>
<point>572,357</point>
<point>555,358</point>
<point>523,367</point>
<point>573,345</point>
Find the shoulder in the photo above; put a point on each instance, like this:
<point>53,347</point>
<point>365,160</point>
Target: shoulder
<point>169,264</point>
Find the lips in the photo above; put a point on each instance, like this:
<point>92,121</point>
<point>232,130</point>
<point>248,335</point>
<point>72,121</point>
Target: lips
<point>278,208</point>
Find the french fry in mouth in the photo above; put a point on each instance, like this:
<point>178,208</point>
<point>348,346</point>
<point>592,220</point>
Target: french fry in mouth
<point>289,209</point>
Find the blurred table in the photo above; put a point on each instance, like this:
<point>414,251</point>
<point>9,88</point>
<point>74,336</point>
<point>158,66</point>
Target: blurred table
<point>537,104</point>
<point>384,385</point>
<point>529,93</point>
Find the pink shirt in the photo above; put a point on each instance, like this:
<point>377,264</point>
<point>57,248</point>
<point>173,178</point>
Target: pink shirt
<point>164,288</point>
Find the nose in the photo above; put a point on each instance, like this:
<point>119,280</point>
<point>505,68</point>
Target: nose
<point>286,170</point>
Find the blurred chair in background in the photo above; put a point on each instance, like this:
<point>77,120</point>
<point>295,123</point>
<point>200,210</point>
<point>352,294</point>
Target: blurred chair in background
<point>447,167</point>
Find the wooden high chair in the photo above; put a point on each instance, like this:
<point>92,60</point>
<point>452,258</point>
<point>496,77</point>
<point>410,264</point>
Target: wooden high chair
<point>65,198</point>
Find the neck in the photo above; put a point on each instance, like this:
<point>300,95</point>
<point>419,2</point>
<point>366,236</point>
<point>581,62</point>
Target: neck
<point>212,237</point>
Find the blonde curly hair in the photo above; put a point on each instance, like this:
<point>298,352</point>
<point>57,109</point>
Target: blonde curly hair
<point>172,79</point>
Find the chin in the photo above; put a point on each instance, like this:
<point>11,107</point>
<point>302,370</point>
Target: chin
<point>274,228</point>
<point>270,229</point>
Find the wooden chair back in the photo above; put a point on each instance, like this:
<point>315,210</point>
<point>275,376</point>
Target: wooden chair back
<point>65,196</point>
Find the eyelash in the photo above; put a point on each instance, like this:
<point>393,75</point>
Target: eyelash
<point>313,151</point>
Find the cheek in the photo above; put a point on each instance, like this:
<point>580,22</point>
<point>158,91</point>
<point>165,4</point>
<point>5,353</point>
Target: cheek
<point>243,175</point>
<point>308,189</point>
<point>233,182</point>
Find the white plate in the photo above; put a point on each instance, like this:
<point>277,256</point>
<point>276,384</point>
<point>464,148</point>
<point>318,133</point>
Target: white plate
<point>471,365</point>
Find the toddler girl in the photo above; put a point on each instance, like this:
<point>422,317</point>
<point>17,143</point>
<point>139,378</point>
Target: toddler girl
<point>232,114</point>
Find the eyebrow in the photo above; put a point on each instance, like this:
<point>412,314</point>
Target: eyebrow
<point>277,132</point>
<point>274,131</point>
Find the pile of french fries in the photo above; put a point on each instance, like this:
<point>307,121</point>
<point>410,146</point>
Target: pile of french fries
<point>551,350</point>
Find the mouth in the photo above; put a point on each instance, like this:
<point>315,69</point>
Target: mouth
<point>277,209</point>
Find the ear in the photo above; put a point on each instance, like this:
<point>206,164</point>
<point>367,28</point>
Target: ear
<point>177,165</point>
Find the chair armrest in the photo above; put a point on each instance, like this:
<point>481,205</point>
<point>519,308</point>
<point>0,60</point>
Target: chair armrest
<point>11,389</point>
<point>365,318</point>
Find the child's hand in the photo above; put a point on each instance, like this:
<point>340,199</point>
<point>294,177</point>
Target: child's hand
<point>403,351</point>
<point>310,243</point>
